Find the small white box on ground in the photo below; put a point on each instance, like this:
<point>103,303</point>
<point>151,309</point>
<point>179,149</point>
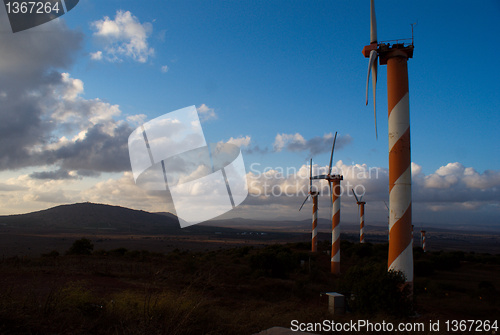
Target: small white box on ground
<point>336,303</point>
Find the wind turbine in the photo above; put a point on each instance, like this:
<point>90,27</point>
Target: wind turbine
<point>314,196</point>
<point>395,56</point>
<point>335,191</point>
<point>361,210</point>
<point>422,237</point>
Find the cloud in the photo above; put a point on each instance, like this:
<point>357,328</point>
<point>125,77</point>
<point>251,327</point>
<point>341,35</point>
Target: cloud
<point>455,183</point>
<point>96,55</point>
<point>123,191</point>
<point>465,193</point>
<point>91,138</point>
<point>136,120</point>
<point>53,175</point>
<point>316,145</point>
<point>97,151</point>
<point>11,188</point>
<point>125,36</point>
<point>206,113</point>
<point>256,149</point>
<point>164,69</point>
<point>242,141</point>
<point>27,82</point>
<point>34,194</point>
<point>292,182</point>
<point>45,121</point>
<point>28,57</point>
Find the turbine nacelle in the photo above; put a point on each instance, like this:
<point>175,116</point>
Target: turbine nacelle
<point>369,48</point>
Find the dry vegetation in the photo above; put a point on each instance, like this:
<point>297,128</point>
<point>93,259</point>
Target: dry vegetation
<point>232,291</point>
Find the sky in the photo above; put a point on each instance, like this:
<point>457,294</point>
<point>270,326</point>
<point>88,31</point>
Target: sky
<point>277,78</point>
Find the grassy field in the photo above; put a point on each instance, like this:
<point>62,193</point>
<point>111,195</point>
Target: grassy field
<point>240,290</point>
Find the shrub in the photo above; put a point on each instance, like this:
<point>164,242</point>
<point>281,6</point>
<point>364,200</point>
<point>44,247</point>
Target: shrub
<point>275,261</point>
<point>82,246</point>
<point>374,290</point>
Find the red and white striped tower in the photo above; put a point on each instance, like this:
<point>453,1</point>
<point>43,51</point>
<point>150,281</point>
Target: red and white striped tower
<point>400,245</point>
<point>334,181</point>
<point>314,241</point>
<point>422,235</point>
<point>361,205</point>
<point>335,192</point>
<point>361,209</point>
<point>396,57</point>
<point>314,196</point>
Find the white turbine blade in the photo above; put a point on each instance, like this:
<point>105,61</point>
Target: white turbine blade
<point>372,60</point>
<point>310,175</point>
<point>374,86</point>
<point>331,157</point>
<point>373,23</point>
<point>372,65</point>
<point>304,202</point>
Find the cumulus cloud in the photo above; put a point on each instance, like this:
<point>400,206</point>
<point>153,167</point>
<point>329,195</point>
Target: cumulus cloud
<point>455,183</point>
<point>316,145</point>
<point>206,113</point>
<point>242,141</point>
<point>463,191</point>
<point>27,80</point>
<point>164,69</point>
<point>96,55</point>
<point>44,119</point>
<point>291,182</point>
<point>136,120</point>
<point>123,191</point>
<point>36,194</point>
<point>123,37</point>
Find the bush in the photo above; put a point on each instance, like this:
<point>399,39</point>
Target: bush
<point>446,260</point>
<point>275,261</point>
<point>374,290</point>
<point>82,246</point>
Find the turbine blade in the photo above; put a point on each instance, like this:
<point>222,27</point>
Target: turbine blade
<point>372,60</point>
<point>355,195</point>
<point>310,175</point>
<point>331,157</point>
<point>373,23</point>
<point>304,202</point>
<point>374,86</point>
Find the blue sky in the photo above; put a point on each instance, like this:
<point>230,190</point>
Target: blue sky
<point>263,69</point>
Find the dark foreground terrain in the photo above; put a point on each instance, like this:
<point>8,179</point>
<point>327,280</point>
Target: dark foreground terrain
<point>240,290</point>
<point>98,269</point>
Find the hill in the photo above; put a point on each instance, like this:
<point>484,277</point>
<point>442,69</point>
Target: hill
<point>85,216</point>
